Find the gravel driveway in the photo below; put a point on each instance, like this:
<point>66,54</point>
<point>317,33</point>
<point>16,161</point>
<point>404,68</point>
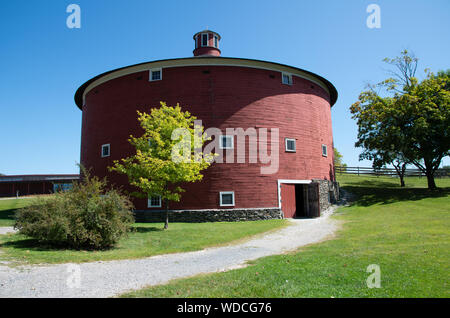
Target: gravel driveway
<point>105,279</point>
<point>6,230</point>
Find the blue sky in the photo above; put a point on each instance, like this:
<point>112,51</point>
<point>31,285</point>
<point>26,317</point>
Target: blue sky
<point>42,62</point>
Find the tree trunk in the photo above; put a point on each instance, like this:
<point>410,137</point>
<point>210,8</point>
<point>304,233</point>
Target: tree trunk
<point>166,225</point>
<point>429,171</point>
<point>430,180</point>
<point>402,181</point>
<point>402,176</point>
<point>400,169</point>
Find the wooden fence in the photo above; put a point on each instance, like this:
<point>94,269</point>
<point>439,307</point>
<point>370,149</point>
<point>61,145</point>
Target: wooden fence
<point>388,172</point>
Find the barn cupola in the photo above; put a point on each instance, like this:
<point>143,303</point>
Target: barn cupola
<point>207,43</point>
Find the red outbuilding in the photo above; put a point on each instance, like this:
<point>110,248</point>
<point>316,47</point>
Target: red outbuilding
<point>292,105</point>
<point>23,185</point>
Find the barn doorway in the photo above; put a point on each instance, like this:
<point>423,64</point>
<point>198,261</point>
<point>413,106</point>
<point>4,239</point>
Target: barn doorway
<point>301,192</point>
<point>299,199</point>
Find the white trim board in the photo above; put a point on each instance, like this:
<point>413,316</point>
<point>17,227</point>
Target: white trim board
<point>222,61</point>
<point>289,181</point>
<point>220,198</point>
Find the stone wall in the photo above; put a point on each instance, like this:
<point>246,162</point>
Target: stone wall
<point>328,193</point>
<point>214,215</point>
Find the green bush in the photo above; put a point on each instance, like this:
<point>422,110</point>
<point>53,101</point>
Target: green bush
<point>88,216</point>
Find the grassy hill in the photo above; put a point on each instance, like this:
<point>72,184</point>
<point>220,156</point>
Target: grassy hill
<point>405,231</point>
<point>8,207</point>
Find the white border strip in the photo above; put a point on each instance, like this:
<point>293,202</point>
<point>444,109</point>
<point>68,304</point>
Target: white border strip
<point>198,61</point>
<point>280,181</point>
<point>226,192</point>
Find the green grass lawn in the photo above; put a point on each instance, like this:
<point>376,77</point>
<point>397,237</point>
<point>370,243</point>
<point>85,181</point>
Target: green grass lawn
<point>8,207</point>
<point>403,230</point>
<point>388,182</point>
<point>148,239</point>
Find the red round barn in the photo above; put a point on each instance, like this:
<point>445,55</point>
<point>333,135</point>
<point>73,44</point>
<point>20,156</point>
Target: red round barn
<point>223,92</point>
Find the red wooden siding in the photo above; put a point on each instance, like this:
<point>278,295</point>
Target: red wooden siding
<point>288,203</point>
<point>225,96</point>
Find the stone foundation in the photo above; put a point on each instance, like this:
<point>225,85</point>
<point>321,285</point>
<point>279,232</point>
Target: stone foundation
<point>216,215</point>
<point>328,193</point>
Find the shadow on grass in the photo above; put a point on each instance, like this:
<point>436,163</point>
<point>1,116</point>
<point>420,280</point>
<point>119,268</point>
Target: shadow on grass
<point>143,229</point>
<point>8,214</point>
<point>374,183</point>
<point>36,245</point>
<point>366,195</point>
<point>33,245</point>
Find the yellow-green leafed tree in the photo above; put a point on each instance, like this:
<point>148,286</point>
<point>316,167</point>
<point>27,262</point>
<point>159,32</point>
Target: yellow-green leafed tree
<point>168,153</point>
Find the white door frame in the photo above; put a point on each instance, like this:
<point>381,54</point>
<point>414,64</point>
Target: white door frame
<point>280,181</point>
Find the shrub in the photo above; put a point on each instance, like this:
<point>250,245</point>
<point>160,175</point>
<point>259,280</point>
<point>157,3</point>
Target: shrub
<point>87,216</point>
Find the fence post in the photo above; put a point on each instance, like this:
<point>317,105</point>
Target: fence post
<point>358,171</point>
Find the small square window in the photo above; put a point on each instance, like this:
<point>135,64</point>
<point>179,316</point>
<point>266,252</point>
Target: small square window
<point>290,145</point>
<point>324,151</point>
<point>226,142</point>
<point>286,79</point>
<point>106,150</point>
<point>155,74</point>
<point>227,198</point>
<point>154,201</point>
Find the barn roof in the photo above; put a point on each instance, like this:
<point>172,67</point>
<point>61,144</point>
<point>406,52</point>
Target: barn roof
<point>203,61</point>
<point>39,177</point>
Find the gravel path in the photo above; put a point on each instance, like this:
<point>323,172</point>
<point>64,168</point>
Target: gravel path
<point>6,230</point>
<point>111,278</point>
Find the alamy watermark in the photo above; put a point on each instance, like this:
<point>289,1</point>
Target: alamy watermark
<point>374,279</point>
<point>73,21</point>
<point>74,278</point>
<point>227,150</point>
<point>374,19</point>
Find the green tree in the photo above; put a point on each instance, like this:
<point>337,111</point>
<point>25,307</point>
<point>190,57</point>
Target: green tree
<point>338,160</point>
<point>168,154</point>
<point>426,105</point>
<point>410,124</point>
<point>380,138</point>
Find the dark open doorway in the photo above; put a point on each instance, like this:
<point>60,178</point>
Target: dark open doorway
<point>301,191</point>
<point>300,200</point>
